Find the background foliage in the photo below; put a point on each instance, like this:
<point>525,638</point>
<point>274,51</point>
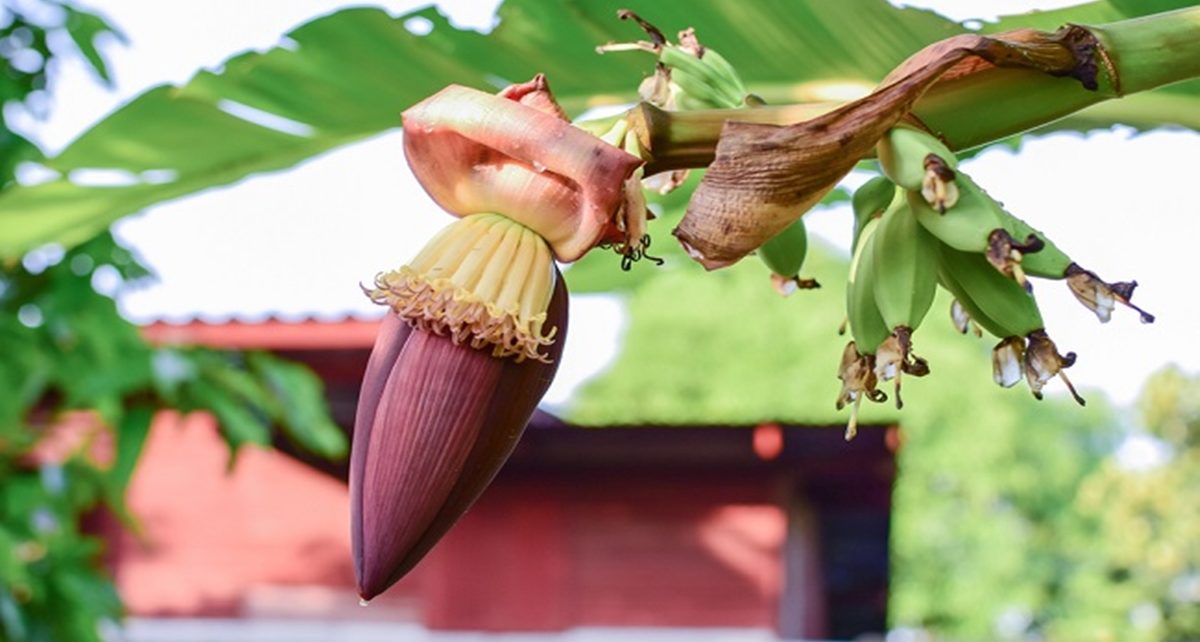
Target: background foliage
<point>79,386</point>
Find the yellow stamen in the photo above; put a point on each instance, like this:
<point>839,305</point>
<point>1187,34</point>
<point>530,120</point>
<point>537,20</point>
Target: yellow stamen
<point>483,281</point>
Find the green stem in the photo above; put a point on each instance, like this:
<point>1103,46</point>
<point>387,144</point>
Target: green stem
<point>1153,51</point>
<point>683,139</point>
<point>1135,55</point>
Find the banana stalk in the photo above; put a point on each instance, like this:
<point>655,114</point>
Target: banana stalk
<point>977,103</point>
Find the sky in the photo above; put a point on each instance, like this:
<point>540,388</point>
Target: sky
<point>1119,203</point>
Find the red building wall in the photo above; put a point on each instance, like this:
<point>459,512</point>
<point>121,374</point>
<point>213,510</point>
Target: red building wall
<point>543,550</point>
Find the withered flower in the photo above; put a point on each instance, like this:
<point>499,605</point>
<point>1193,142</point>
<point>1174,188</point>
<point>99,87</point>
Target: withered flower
<point>894,358</point>
<point>1007,359</point>
<point>1101,297</point>
<point>938,187</point>
<point>962,320</point>
<point>857,373</point>
<point>1043,363</point>
<point>1005,253</point>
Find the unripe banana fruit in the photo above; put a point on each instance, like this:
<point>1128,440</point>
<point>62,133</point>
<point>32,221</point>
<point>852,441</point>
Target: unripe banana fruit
<point>965,227</point>
<point>902,153</point>
<point>904,257</point>
<point>869,201</point>
<point>917,161</point>
<point>784,255</point>
<point>905,261</point>
<point>866,323</point>
<point>997,303</point>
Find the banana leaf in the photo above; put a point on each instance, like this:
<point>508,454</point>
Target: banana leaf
<point>347,76</point>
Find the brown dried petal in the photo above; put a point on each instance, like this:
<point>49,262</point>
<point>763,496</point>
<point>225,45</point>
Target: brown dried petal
<point>857,372</point>
<point>430,439</point>
<point>1101,297</point>
<point>764,177</point>
<point>475,153</point>
<point>962,319</point>
<point>1007,359</point>
<point>1043,363</point>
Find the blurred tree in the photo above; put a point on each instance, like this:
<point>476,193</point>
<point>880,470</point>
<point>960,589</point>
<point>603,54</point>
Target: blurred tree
<point>1136,553</point>
<point>980,518</point>
<point>75,373</point>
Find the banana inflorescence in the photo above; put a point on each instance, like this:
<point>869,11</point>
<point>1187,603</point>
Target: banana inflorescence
<point>924,223</point>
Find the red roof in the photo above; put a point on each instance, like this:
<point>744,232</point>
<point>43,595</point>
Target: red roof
<point>269,334</point>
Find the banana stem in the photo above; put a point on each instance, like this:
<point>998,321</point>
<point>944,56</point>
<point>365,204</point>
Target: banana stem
<point>975,109</point>
<point>1153,51</point>
<point>688,139</point>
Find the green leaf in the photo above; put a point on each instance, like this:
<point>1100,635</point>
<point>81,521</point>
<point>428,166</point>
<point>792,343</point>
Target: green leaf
<point>348,75</point>
<point>326,101</point>
<point>131,438</point>
<point>239,424</point>
<point>300,404</point>
<point>85,28</point>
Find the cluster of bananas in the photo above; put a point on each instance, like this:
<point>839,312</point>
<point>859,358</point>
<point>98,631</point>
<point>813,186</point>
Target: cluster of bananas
<point>686,76</point>
<point>924,224</point>
<point>689,76</point>
<point>920,225</point>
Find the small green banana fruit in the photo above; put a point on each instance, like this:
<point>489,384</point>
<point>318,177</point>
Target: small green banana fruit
<point>905,278</point>
<point>784,255</point>
<point>867,326</point>
<point>704,78</point>
<point>1008,311</point>
<point>688,75</point>
<point>917,161</point>
<point>870,200</point>
<point>1046,261</point>
<point>968,225</point>
<point>997,303</point>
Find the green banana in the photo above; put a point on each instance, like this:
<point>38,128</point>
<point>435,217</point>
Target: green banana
<point>689,75</point>
<point>903,153</point>
<point>869,201</point>
<point>968,225</point>
<point>696,93</point>
<point>904,257</point>
<point>725,70</point>
<point>997,303</point>
<point>1048,261</point>
<point>706,81</point>
<point>905,262</point>
<point>866,323</point>
<point>784,255</point>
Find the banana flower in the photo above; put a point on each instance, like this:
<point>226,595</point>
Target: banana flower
<point>477,319</point>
